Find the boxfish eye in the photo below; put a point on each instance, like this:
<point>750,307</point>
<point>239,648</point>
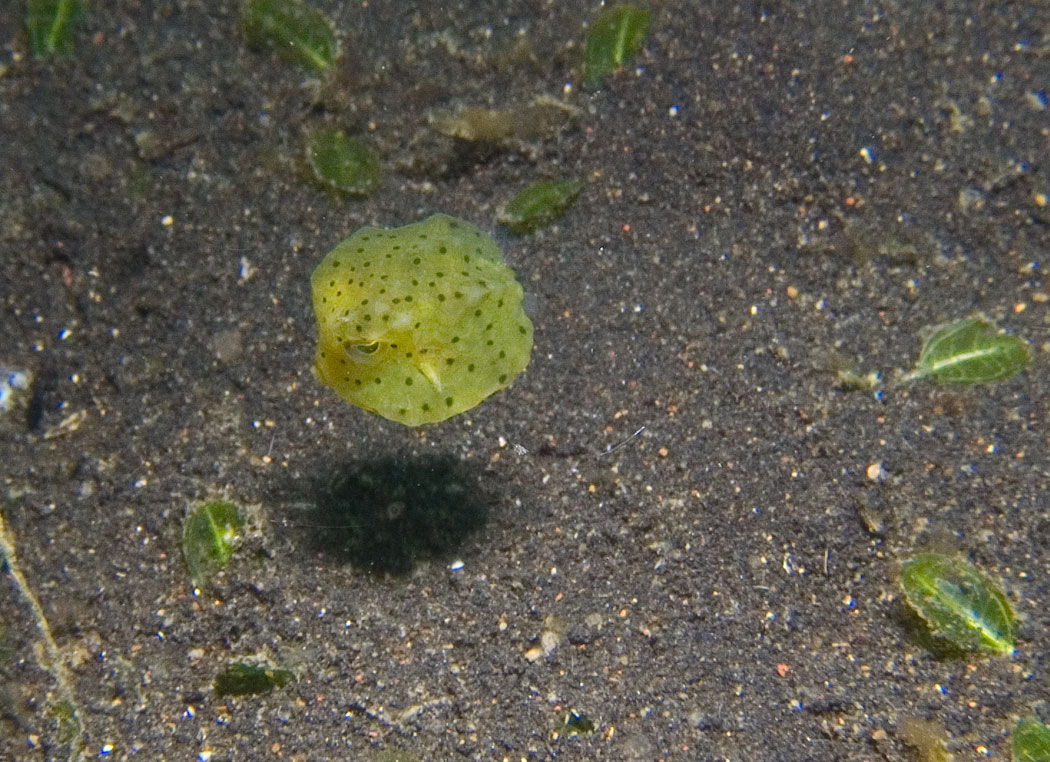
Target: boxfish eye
<point>361,351</point>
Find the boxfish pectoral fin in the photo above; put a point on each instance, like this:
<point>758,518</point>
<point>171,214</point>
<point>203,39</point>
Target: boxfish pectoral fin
<point>431,372</point>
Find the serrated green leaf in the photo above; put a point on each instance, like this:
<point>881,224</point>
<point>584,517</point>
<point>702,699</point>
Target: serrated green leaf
<point>242,679</point>
<point>970,351</point>
<point>209,537</point>
<point>50,26</point>
<point>295,32</point>
<point>539,205</point>
<point>958,603</point>
<point>615,35</point>
<point>341,163</point>
<point>1030,741</point>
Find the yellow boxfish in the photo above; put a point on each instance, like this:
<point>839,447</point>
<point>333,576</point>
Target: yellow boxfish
<point>418,323</point>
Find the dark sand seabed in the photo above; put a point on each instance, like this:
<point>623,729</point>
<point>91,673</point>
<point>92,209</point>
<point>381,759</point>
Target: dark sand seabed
<point>774,191</point>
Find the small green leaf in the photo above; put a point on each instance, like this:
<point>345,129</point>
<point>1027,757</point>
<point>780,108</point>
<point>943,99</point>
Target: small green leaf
<point>209,537</point>
<point>296,33</point>
<point>1030,741</point>
<point>241,679</point>
<point>970,351</point>
<point>616,34</point>
<point>50,26</point>
<point>538,205</point>
<point>341,163</point>
<point>958,603</point>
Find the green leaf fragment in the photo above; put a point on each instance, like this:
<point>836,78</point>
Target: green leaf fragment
<point>296,33</point>
<point>50,26</point>
<point>958,603</point>
<point>929,738</point>
<point>209,537</point>
<point>395,755</point>
<point>574,723</point>
<point>341,163</point>
<point>538,205</point>
<point>1030,741</point>
<point>970,351</point>
<point>616,34</point>
<point>69,728</point>
<point>243,679</point>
